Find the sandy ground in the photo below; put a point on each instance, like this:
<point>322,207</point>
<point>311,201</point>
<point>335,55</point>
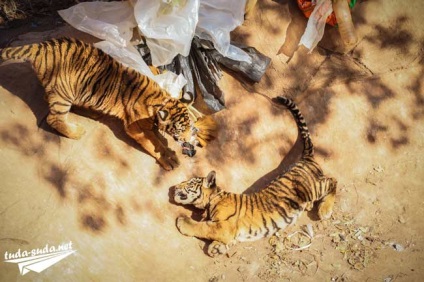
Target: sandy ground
<point>365,114</point>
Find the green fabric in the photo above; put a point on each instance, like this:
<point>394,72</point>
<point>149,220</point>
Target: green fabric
<point>352,3</point>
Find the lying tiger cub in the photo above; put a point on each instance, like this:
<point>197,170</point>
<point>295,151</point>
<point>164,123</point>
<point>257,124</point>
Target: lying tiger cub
<point>74,73</point>
<point>248,217</point>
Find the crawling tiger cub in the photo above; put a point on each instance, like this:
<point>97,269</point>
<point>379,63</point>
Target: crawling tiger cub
<point>246,217</point>
<point>75,73</point>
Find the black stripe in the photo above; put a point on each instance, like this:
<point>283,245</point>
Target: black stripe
<point>37,54</point>
<point>142,90</point>
<point>240,204</point>
<point>265,225</point>
<point>263,207</point>
<point>235,206</point>
<point>247,203</point>
<point>26,51</point>
<point>46,56</point>
<point>198,196</point>
<point>14,51</point>
<point>282,212</point>
<point>274,224</point>
<point>55,112</point>
<point>252,207</point>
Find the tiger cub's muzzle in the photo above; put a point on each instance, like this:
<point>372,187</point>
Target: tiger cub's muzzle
<point>179,196</point>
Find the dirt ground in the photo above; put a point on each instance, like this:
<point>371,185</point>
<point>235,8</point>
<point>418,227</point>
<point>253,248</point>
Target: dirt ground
<point>365,111</point>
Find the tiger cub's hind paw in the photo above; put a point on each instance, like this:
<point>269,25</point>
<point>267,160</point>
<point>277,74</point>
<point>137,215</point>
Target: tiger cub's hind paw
<point>325,209</point>
<point>70,130</point>
<point>217,248</point>
<point>74,131</point>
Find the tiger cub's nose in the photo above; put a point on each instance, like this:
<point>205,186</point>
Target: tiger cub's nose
<point>188,149</point>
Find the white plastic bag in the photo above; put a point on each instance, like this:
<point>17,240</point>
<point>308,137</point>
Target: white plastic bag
<point>172,83</point>
<point>217,18</point>
<point>316,24</point>
<point>168,26</point>
<point>111,21</point>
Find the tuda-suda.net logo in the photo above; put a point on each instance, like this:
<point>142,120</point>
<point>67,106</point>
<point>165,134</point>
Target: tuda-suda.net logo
<point>39,259</point>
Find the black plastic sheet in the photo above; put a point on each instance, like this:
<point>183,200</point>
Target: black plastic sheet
<point>202,70</point>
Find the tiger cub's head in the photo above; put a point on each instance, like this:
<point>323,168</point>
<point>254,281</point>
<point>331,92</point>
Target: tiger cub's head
<point>175,120</point>
<point>196,191</point>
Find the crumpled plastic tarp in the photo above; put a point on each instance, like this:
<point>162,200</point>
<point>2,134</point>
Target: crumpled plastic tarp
<point>217,18</point>
<point>111,21</point>
<point>168,25</point>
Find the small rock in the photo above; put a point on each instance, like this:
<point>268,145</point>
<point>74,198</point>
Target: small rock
<point>378,168</point>
<point>401,219</point>
<point>398,247</point>
<point>214,279</point>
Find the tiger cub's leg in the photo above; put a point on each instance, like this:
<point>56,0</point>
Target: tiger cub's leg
<point>150,142</point>
<point>216,231</point>
<point>325,208</point>
<point>58,116</point>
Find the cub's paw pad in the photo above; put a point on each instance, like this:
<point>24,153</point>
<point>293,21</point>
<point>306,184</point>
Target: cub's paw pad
<point>217,248</point>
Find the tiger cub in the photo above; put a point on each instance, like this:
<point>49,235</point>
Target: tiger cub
<point>247,217</point>
<point>74,73</point>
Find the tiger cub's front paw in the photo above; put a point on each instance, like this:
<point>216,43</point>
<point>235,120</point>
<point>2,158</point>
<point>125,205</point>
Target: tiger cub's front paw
<point>185,225</point>
<point>168,160</point>
<point>325,209</point>
<point>217,248</point>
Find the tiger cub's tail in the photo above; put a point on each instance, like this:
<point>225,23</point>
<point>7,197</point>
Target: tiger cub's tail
<point>308,147</point>
<point>25,52</point>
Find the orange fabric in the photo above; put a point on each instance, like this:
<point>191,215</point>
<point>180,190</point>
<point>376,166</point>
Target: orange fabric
<point>307,7</point>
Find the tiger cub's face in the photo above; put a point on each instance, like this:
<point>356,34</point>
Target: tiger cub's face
<point>193,191</point>
<point>174,119</point>
<point>176,122</point>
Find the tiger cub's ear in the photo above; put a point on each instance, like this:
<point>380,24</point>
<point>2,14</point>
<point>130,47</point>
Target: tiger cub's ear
<point>210,180</point>
<point>163,114</point>
<point>187,98</point>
